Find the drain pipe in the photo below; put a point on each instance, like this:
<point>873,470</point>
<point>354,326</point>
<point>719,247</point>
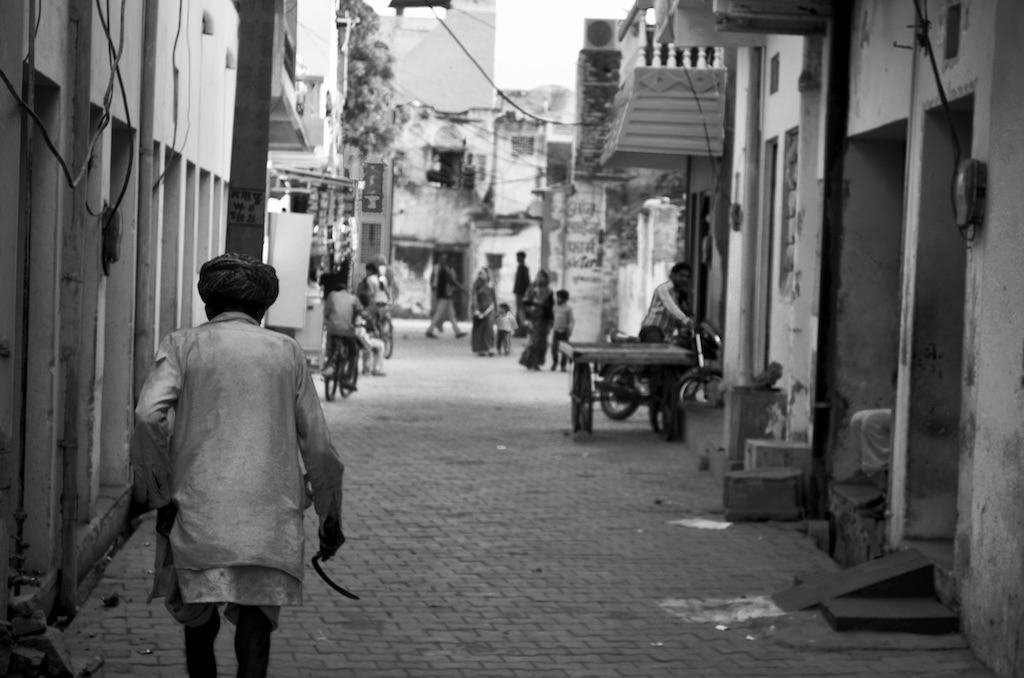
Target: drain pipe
<point>145,272</point>
<point>836,112</point>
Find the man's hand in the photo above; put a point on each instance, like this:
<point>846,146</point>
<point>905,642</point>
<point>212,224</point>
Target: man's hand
<point>331,538</point>
<point>165,516</point>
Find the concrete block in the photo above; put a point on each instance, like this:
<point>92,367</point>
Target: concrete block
<point>771,453</point>
<point>752,414</point>
<point>763,494</point>
<point>721,465</point>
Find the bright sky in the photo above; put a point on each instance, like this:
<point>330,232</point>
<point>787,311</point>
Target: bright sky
<point>538,40</point>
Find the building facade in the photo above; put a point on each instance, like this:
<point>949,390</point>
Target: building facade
<point>874,254</point>
<point>107,230</point>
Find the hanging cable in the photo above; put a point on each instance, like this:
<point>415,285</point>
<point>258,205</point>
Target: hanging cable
<point>174,68</point>
<point>114,64</point>
<point>497,89</point>
<point>925,41</point>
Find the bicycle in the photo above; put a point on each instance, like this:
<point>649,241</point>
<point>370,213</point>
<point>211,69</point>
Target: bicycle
<point>341,369</point>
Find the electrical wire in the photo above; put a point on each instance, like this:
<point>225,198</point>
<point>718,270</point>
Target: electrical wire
<point>72,179</point>
<point>127,114</point>
<point>174,67</point>
<point>715,168</point>
<point>924,39</point>
<point>497,89</point>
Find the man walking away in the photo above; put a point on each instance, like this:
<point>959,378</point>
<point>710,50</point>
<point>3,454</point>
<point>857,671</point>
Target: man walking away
<point>522,283</point>
<point>225,469</point>
<point>447,284</point>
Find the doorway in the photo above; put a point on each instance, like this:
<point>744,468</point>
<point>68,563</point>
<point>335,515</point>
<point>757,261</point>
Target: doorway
<point>926,453</point>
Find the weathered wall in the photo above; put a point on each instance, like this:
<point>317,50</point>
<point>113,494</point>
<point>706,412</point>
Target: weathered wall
<point>880,71</point>
<point>867,314</point>
<point>517,173</point>
<point>780,117</point>
<point>105,332</point>
<point>930,395</point>
<point>990,541</point>
<point>433,214</point>
<point>504,243</point>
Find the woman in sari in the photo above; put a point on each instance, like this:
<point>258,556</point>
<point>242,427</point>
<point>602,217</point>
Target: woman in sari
<point>539,303</point>
<point>481,300</point>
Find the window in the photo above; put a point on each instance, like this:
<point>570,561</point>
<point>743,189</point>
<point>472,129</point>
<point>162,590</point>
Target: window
<point>369,243</point>
<point>481,167</point>
<point>452,170</point>
<point>952,31</point>
<point>522,145</point>
<point>773,76</point>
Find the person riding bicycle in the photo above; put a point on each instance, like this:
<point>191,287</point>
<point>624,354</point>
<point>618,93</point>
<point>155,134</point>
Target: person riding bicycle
<point>373,295</point>
<point>341,308</point>
<point>670,307</point>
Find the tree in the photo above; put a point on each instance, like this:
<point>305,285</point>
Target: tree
<point>370,122</point>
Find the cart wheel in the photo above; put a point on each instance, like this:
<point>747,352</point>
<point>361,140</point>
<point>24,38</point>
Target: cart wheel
<point>619,379</point>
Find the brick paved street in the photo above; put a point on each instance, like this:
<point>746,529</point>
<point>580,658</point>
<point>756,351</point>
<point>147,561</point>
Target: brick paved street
<point>486,543</point>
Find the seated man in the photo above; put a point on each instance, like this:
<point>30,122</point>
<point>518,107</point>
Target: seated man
<point>341,308</point>
<point>670,307</point>
<point>872,435</point>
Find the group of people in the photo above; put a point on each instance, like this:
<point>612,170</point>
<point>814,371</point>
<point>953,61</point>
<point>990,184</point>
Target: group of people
<point>540,311</point>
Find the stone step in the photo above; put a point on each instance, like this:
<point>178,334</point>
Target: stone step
<point>846,582</point>
<point>905,615</point>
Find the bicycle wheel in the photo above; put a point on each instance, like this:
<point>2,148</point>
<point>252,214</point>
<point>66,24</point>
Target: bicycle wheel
<point>617,387</point>
<point>332,375</point>
<point>701,387</point>
<point>349,372</point>
<point>387,334</point>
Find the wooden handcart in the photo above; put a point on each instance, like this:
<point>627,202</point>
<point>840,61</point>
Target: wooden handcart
<point>664,363</point>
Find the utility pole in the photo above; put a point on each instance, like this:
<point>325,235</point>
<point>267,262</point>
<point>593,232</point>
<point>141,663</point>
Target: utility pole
<point>73,263</point>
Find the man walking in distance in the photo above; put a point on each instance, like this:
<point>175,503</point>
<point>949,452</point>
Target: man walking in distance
<point>447,284</point>
<point>224,469</point>
<point>519,290</point>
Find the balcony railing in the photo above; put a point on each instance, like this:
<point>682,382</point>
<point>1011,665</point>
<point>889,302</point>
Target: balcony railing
<point>648,52</point>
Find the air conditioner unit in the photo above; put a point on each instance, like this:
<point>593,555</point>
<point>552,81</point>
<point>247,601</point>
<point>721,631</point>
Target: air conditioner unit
<point>600,34</point>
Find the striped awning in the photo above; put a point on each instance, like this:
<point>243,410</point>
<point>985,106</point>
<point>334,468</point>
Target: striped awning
<point>664,114</point>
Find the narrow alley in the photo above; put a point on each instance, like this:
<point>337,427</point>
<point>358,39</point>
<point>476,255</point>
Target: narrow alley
<point>485,542</point>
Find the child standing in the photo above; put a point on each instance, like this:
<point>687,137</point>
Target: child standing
<point>507,324</point>
<point>563,325</point>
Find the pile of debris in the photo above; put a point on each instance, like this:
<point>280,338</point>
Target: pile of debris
<point>29,648</point>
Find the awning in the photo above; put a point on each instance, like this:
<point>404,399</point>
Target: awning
<point>666,114</point>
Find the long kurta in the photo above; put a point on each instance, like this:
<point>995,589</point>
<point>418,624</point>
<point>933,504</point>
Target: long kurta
<point>226,413</point>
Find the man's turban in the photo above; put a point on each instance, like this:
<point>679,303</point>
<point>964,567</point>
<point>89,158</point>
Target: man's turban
<point>237,279</point>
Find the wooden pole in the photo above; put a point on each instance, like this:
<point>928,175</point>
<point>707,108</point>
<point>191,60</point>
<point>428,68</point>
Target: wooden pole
<point>73,273</point>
